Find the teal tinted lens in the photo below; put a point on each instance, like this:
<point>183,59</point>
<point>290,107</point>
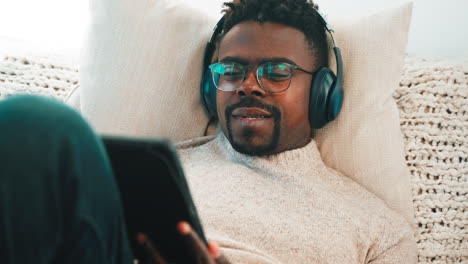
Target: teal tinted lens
<point>218,68</point>
<point>274,77</point>
<point>227,76</point>
<point>276,72</point>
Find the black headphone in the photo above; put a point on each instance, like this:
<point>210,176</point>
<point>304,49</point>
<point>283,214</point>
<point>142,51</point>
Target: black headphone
<point>326,95</point>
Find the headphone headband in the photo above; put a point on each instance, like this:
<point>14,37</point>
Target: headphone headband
<point>218,28</point>
<point>326,92</point>
<point>336,50</point>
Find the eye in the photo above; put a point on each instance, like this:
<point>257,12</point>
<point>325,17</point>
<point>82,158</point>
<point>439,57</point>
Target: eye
<point>276,72</point>
<point>278,77</point>
<point>233,72</point>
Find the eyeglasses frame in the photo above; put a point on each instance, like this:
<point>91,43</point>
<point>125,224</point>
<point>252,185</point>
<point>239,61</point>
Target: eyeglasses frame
<point>294,67</point>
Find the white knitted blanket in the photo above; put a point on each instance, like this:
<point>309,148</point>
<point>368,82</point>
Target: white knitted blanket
<point>433,103</point>
<point>36,75</point>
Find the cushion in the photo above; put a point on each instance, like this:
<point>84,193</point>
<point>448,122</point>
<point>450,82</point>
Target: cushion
<point>141,70</point>
<point>141,67</point>
<point>73,98</point>
<point>433,104</point>
<point>365,142</point>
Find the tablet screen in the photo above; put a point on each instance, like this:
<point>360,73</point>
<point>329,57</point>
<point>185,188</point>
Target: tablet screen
<point>154,192</point>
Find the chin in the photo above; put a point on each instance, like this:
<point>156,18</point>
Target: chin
<point>254,149</point>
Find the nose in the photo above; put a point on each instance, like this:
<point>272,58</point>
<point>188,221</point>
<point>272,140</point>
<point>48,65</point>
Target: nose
<point>250,85</point>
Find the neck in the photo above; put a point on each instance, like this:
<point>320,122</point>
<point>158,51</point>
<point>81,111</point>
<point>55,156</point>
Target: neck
<point>304,160</point>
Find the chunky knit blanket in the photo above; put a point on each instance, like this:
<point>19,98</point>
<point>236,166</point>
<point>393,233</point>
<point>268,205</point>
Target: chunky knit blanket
<point>36,75</point>
<point>433,103</point>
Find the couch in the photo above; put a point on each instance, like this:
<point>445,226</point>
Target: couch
<point>432,99</point>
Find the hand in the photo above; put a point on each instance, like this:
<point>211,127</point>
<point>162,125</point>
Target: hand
<point>201,253</point>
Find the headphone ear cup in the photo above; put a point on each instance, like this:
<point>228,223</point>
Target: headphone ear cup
<point>322,83</point>
<point>208,92</point>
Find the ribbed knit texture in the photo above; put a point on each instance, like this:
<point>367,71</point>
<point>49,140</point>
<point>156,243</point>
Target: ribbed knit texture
<point>36,75</point>
<point>290,208</point>
<point>433,103</point>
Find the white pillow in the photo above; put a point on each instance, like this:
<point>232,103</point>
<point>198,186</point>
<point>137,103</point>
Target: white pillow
<point>365,142</point>
<point>141,70</point>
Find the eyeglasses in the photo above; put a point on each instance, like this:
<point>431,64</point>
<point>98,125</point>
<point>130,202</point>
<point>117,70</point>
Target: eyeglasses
<point>273,77</point>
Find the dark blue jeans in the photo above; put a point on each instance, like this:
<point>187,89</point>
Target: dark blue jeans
<point>59,201</point>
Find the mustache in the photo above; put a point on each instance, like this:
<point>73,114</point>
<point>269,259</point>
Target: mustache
<point>251,102</point>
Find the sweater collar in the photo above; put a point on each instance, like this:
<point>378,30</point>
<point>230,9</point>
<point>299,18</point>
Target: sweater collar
<point>305,160</point>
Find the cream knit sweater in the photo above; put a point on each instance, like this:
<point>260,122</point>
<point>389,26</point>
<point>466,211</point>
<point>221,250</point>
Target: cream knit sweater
<point>290,208</point>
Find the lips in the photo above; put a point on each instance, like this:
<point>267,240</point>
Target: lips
<point>251,113</point>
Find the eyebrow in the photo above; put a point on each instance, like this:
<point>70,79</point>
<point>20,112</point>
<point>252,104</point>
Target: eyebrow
<point>261,61</point>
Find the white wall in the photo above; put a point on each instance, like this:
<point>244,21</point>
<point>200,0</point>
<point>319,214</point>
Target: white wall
<point>43,26</point>
<point>438,29</point>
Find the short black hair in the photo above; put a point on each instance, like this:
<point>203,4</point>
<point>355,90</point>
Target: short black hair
<point>299,14</point>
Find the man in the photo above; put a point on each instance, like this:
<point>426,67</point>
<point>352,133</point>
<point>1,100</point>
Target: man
<point>260,186</point>
<point>261,189</point>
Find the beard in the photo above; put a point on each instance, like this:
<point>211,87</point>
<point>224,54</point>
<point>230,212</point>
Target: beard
<point>247,134</point>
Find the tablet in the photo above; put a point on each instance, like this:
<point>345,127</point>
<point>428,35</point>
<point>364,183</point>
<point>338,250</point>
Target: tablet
<point>154,192</point>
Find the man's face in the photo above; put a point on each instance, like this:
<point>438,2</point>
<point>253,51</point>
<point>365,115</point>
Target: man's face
<point>257,122</point>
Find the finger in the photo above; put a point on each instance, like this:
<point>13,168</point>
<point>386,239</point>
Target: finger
<point>222,260</point>
<point>215,252</point>
<point>152,251</point>
<point>198,248</point>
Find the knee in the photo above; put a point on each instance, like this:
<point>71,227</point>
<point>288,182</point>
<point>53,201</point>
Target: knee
<point>31,114</point>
